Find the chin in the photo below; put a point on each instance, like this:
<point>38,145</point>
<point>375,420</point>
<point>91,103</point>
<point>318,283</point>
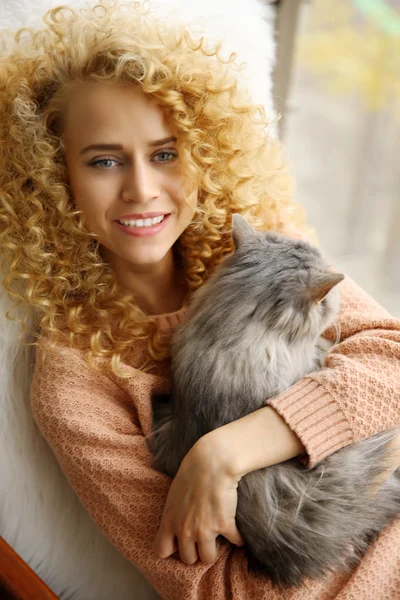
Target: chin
<point>145,260</point>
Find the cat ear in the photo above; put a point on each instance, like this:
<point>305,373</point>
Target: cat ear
<point>241,230</point>
<point>319,290</point>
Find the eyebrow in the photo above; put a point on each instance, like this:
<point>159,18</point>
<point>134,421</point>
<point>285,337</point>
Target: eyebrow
<point>162,142</point>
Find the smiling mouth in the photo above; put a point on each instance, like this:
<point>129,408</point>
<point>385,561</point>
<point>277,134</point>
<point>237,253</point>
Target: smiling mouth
<point>150,222</point>
<point>143,225</point>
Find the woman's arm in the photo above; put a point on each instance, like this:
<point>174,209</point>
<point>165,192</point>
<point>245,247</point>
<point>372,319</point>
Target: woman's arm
<point>94,428</point>
<point>258,440</point>
<point>201,502</point>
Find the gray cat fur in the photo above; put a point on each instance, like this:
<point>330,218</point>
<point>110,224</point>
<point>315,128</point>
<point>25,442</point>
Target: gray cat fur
<point>252,331</point>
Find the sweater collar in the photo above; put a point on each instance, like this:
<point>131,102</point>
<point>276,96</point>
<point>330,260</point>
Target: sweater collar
<point>171,320</point>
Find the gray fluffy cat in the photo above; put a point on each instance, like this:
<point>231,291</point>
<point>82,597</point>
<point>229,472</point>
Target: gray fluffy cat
<point>252,331</point>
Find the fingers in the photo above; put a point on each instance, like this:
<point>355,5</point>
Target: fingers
<point>165,543</point>
<point>234,537</point>
<point>188,550</point>
<point>207,548</point>
<point>207,544</point>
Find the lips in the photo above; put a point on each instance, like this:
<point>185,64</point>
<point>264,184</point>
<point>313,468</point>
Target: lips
<point>143,225</point>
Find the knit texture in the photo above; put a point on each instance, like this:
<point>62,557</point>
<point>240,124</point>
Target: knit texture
<point>97,425</point>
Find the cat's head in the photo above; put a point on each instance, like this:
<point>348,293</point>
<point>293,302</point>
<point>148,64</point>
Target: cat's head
<point>286,283</point>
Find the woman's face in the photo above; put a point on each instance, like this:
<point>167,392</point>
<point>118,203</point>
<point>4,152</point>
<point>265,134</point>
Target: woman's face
<point>124,172</point>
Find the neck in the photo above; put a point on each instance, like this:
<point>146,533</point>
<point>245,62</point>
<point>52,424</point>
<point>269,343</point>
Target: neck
<point>158,288</point>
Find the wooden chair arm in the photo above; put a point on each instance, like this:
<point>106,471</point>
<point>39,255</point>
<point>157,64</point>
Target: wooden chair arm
<point>17,580</point>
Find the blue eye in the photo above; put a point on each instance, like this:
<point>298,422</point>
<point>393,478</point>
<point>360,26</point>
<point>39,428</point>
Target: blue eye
<point>165,156</point>
<point>103,163</point>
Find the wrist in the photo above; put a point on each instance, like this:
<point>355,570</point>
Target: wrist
<point>212,453</point>
<point>258,440</point>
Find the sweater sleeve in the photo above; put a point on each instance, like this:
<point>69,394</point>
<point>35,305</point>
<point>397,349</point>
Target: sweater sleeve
<point>357,393</point>
<point>93,427</point>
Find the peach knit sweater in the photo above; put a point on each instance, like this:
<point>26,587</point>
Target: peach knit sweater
<point>96,424</point>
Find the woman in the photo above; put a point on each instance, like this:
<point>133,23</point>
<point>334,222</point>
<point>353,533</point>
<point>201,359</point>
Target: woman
<point>126,149</point>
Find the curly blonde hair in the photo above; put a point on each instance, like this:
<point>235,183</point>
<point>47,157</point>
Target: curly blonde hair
<point>224,148</point>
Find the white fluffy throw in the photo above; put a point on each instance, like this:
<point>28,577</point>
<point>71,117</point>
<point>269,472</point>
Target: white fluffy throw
<point>40,515</point>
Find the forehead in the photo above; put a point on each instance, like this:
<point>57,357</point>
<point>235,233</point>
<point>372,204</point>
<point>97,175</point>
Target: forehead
<point>107,112</point>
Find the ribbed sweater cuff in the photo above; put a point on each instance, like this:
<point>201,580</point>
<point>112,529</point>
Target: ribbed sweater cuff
<point>315,417</point>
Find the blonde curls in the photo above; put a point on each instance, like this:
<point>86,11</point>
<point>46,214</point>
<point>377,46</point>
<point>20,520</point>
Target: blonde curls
<point>223,144</point>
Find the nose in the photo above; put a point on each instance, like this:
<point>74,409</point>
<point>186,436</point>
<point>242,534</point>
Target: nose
<point>141,184</point>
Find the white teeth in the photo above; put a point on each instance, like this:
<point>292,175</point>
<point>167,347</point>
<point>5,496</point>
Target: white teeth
<point>143,222</point>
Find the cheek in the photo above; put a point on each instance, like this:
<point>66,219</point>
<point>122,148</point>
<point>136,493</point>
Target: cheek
<point>178,190</point>
<point>84,201</point>
<point>90,195</point>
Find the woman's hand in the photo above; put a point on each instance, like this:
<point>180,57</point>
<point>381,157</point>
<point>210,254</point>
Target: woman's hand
<point>201,505</point>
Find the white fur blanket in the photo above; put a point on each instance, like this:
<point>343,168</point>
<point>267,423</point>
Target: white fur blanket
<point>40,515</point>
